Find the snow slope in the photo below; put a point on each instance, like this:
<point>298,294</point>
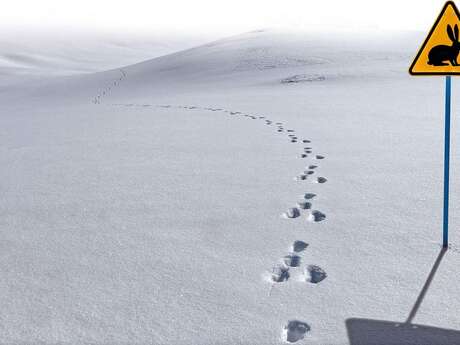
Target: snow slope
<point>150,204</point>
<point>26,55</point>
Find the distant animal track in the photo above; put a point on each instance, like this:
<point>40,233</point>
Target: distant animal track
<point>97,99</point>
<point>308,196</point>
<point>312,166</point>
<point>316,216</point>
<point>319,157</point>
<point>306,141</point>
<point>299,246</point>
<point>314,274</point>
<point>294,331</point>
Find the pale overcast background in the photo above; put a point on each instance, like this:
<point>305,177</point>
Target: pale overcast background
<point>217,18</point>
<point>62,37</point>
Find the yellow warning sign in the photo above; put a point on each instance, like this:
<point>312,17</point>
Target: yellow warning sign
<point>439,53</point>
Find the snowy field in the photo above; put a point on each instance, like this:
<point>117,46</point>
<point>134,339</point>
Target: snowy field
<point>265,188</point>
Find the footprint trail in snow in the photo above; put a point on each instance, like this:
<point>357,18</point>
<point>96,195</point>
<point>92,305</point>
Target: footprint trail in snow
<point>280,272</point>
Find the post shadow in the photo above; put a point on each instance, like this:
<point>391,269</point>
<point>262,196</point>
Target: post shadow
<point>426,286</point>
<point>379,332</point>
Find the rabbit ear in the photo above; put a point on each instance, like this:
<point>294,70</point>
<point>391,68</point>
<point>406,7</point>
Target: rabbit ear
<point>456,32</point>
<point>450,33</point>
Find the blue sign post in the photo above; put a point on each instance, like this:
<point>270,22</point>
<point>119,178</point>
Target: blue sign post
<point>445,227</point>
<point>437,56</point>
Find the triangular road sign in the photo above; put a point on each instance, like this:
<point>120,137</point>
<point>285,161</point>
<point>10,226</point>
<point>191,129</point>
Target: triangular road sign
<point>439,54</point>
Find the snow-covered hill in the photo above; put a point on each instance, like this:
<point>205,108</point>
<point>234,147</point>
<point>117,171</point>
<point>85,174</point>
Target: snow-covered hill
<point>262,188</point>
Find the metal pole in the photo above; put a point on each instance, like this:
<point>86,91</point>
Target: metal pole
<point>445,228</point>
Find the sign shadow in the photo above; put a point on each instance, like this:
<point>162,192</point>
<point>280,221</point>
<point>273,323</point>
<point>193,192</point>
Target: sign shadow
<point>378,332</point>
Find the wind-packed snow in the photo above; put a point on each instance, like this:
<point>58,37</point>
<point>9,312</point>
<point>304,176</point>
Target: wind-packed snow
<point>266,188</point>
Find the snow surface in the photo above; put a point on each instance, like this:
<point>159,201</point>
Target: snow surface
<point>143,205</point>
<point>58,53</point>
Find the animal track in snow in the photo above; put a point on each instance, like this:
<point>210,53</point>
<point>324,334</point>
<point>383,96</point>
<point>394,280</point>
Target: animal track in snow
<point>304,205</point>
<point>301,177</point>
<point>314,274</point>
<point>292,213</point>
<point>299,246</point>
<point>280,273</point>
<point>294,331</point>
<point>316,216</point>
<point>308,196</point>
<point>321,180</point>
<point>292,260</point>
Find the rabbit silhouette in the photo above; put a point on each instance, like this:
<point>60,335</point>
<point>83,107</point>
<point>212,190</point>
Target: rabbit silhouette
<point>440,55</point>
